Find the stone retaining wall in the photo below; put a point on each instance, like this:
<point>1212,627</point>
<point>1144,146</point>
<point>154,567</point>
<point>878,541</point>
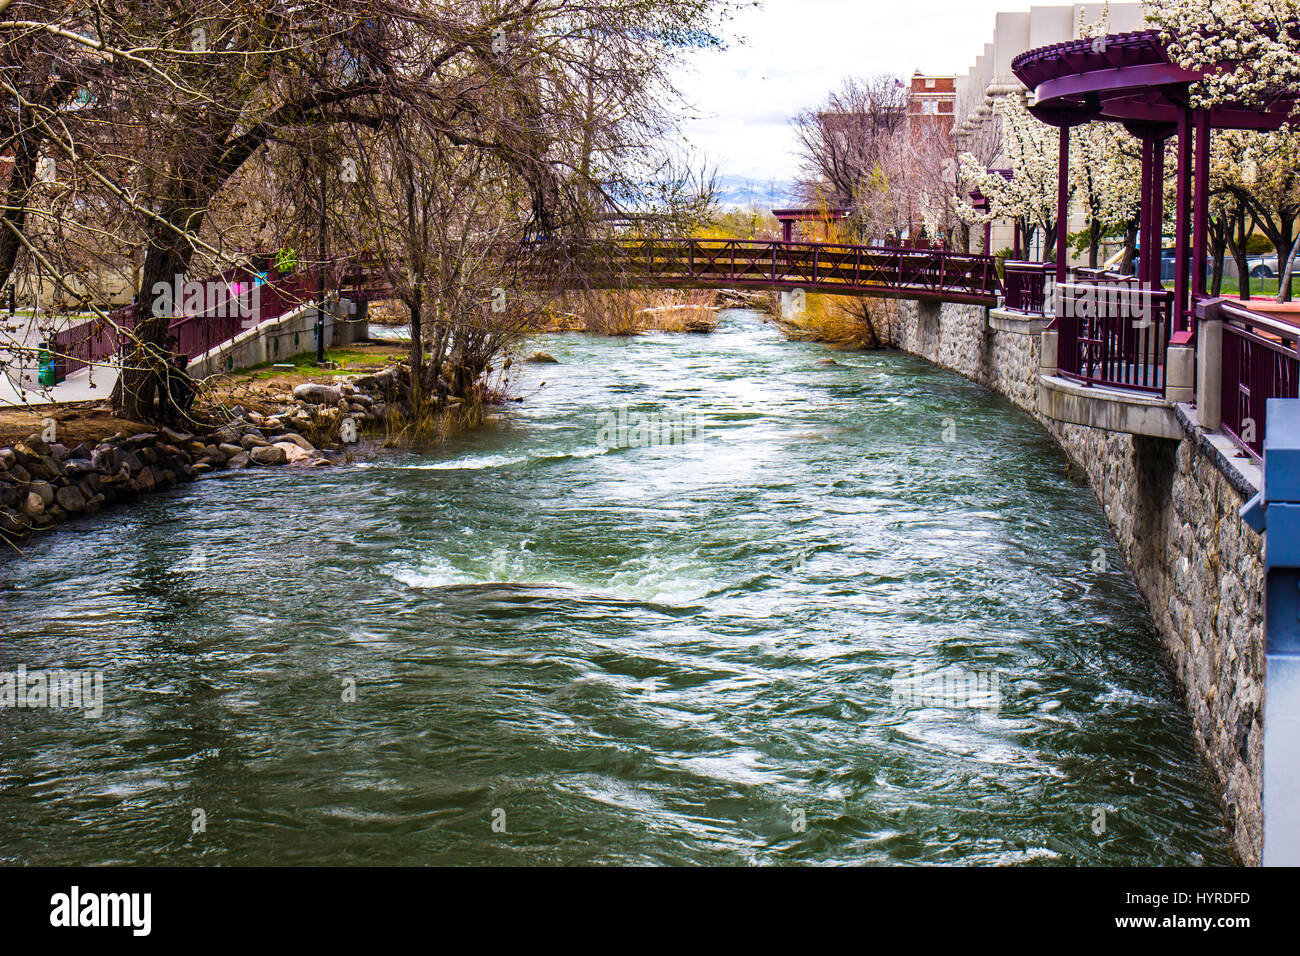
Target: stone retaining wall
<point>1173,508</point>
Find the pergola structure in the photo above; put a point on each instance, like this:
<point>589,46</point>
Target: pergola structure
<point>1130,78</point>
<point>824,214</point>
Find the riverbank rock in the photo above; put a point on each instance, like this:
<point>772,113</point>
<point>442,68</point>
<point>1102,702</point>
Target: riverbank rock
<point>542,358</point>
<point>316,394</point>
<point>295,439</point>
<point>292,453</point>
<point>71,499</point>
<point>268,455</point>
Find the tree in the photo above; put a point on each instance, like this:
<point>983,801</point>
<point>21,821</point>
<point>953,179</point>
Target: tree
<point>845,144</point>
<point>182,99</point>
<point>1106,173</point>
<point>1029,196</point>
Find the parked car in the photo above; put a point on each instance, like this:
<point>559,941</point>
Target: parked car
<point>1262,267</point>
<point>1169,264</point>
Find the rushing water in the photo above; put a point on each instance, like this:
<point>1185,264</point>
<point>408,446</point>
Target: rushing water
<point>667,654</point>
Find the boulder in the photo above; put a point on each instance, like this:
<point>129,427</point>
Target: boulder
<point>7,458</point>
<point>238,461</point>
<point>144,481</point>
<point>226,435</point>
<point>44,467</point>
<point>34,446</point>
<point>542,358</point>
<point>107,459</point>
<point>268,455</point>
<point>296,439</point>
<point>229,449</point>
<point>59,452</point>
<point>253,441</point>
<point>20,473</point>
<point>292,453</point>
<point>71,499</point>
<point>174,437</point>
<point>318,394</point>
<point>44,490</point>
<point>32,505</point>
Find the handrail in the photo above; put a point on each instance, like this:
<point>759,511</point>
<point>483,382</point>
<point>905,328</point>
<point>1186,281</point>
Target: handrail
<point>1260,360</point>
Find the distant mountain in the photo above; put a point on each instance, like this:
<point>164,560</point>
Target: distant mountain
<point>739,192</point>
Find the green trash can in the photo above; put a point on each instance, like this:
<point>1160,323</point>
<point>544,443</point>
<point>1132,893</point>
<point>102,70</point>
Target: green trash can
<point>45,364</point>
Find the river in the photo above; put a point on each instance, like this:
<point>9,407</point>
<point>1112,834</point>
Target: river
<point>533,646</point>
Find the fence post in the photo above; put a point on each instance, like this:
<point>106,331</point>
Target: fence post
<point>1209,364</point>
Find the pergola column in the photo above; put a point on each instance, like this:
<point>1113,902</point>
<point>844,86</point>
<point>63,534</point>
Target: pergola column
<point>1180,316</point>
<point>1144,214</point>
<point>1062,207</point>
<point>1157,209</point>
<point>1201,204</point>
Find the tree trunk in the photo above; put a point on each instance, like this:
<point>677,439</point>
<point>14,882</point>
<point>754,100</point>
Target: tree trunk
<point>1284,288</point>
<point>416,307</point>
<point>1094,243</point>
<point>1130,248</point>
<point>133,396</point>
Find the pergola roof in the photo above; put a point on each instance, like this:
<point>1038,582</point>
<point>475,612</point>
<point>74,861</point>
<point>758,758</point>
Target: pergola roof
<point>813,214</point>
<point>1129,78</point>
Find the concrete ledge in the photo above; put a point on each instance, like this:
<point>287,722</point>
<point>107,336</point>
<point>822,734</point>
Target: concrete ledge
<point>1017,323</point>
<point>1242,471</point>
<point>1109,409</point>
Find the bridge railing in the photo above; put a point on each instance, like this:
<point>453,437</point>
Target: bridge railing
<point>823,267</point>
<point>1261,360</point>
<point>196,328</point>
<point>1114,333</point>
<point>1025,287</point>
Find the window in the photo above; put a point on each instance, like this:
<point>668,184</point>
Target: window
<point>929,82</point>
<point>930,107</point>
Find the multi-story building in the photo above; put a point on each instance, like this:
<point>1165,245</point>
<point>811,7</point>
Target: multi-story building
<point>990,78</point>
<point>933,100</point>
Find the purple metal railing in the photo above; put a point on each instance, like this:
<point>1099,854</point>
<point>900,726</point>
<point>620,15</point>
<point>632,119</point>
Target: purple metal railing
<point>1261,360</point>
<point>244,305</point>
<point>1024,286</point>
<point>816,267</point>
<point>1111,332</point>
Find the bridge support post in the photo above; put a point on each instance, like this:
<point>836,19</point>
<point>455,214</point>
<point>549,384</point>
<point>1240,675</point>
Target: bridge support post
<point>1209,365</point>
<point>1276,510</point>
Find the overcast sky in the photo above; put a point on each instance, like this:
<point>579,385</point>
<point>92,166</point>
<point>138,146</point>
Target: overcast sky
<point>794,52</point>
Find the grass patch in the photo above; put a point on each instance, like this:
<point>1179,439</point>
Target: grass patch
<point>350,361</point>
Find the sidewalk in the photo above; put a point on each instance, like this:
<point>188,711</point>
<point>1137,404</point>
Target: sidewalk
<point>18,383</point>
